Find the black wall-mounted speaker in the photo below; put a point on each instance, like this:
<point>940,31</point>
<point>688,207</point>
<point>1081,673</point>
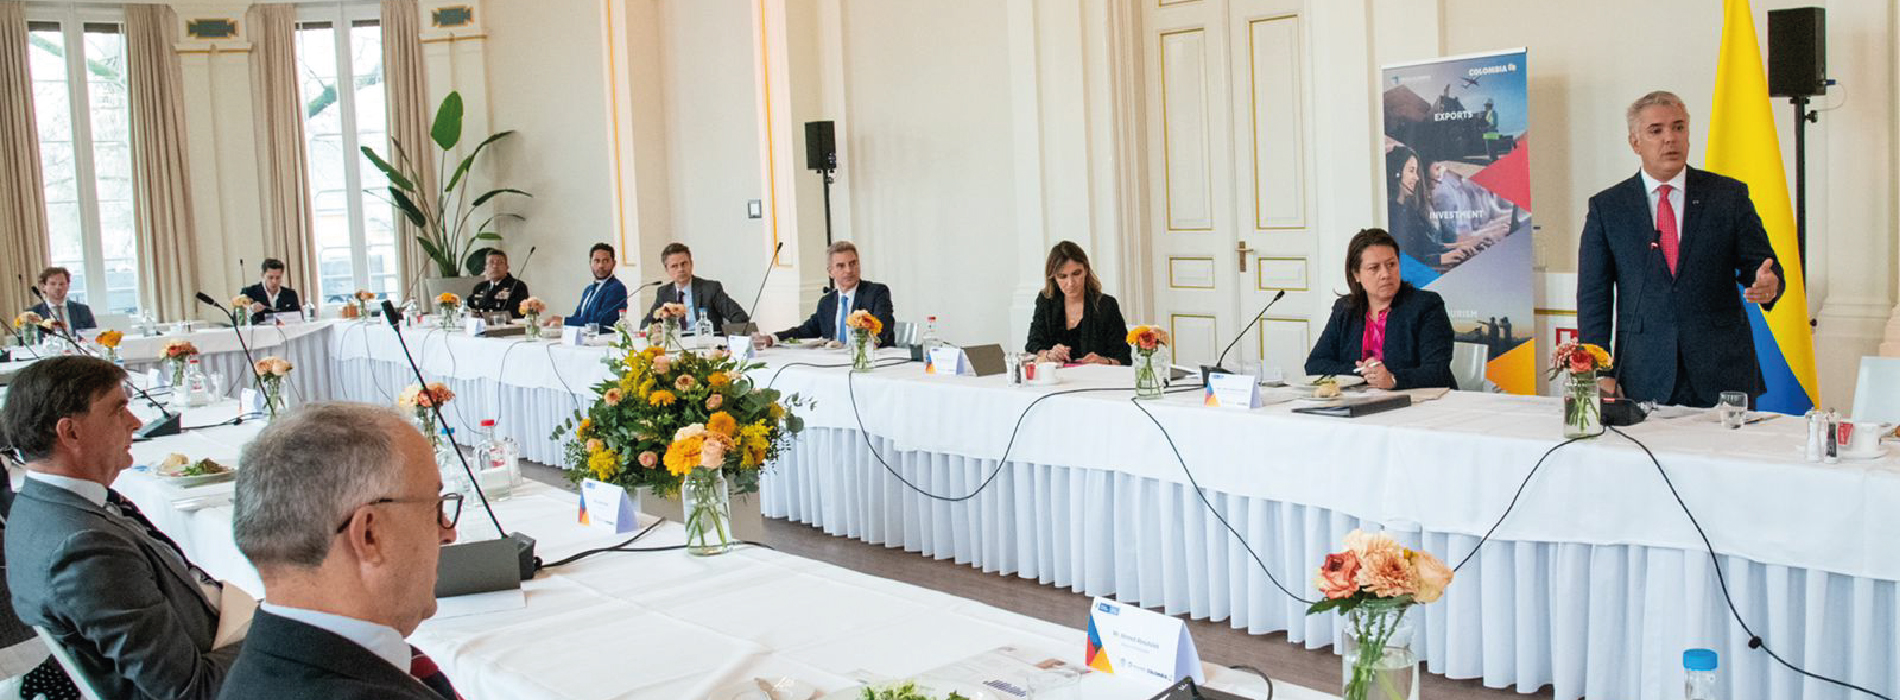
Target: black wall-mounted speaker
<point>1797,52</point>
<point>821,146</point>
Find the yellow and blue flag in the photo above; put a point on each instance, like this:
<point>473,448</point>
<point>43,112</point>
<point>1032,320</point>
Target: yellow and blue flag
<point>1743,145</point>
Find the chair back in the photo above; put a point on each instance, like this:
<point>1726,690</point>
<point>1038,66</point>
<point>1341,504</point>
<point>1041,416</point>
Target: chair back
<point>905,334</point>
<point>1468,361</point>
<point>65,658</point>
<point>1877,390</point>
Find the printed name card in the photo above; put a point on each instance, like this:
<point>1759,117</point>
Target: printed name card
<point>474,326</point>
<point>154,379</point>
<point>607,507</point>
<point>741,348</point>
<point>573,335</point>
<point>250,401</point>
<point>1141,644</point>
<point>1233,391</point>
<point>947,361</point>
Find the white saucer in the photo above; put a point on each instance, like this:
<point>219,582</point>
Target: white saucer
<point>1878,452</point>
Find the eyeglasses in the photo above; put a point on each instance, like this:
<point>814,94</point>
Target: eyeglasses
<point>448,509</point>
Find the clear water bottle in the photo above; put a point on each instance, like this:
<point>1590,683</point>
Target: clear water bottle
<point>498,459</point>
<point>930,341</point>
<point>703,328</point>
<point>197,385</point>
<point>1698,670</point>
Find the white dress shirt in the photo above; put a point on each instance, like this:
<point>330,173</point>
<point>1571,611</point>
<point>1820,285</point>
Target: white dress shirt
<point>1651,186</point>
<point>60,312</point>
<point>385,642</point>
<point>90,490</point>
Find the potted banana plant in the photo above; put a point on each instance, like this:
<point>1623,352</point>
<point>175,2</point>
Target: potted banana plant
<point>455,247</point>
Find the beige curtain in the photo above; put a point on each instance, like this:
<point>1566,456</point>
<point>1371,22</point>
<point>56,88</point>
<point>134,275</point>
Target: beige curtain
<point>409,118</point>
<point>161,175</point>
<point>22,209</point>
<point>282,165</point>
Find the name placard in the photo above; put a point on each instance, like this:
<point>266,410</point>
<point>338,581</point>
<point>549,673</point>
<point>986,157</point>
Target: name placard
<point>474,326</point>
<point>250,401</point>
<point>947,361</point>
<point>573,335</point>
<point>1141,644</point>
<point>741,348</point>
<point>607,507</point>
<point>1232,391</point>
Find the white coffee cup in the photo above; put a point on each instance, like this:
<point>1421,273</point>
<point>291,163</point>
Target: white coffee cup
<point>1865,437</point>
<point>1045,373</point>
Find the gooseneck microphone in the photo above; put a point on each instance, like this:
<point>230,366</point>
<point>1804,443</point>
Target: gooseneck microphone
<point>768,275</point>
<point>633,295</point>
<point>1216,368</point>
<point>524,545</point>
<point>250,363</point>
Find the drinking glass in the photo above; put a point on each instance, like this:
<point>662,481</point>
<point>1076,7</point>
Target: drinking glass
<point>1734,408</point>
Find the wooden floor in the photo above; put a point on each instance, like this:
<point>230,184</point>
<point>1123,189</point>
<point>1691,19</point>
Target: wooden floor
<point>1218,643</point>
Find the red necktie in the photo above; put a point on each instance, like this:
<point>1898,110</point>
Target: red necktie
<point>425,670</point>
<point>1666,227</point>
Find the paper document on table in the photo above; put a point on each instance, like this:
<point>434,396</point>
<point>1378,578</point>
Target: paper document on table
<point>1425,394</point>
<point>236,607</point>
<point>480,603</point>
<point>1012,672</point>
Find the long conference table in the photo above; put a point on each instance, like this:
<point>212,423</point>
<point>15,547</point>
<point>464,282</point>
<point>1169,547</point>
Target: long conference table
<point>657,625</point>
<point>1592,585</point>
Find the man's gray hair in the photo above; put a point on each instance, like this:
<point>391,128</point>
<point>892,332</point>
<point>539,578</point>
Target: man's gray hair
<point>840,247</point>
<point>1657,98</point>
<point>307,473</point>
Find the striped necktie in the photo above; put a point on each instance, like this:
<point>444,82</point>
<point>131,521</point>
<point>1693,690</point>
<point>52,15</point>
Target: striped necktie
<point>425,670</point>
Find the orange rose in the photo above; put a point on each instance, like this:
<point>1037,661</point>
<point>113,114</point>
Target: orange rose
<point>648,459</point>
<point>1433,577</point>
<point>1339,576</point>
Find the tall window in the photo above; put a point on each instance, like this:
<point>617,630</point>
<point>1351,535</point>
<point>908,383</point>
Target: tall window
<point>84,119</point>
<point>340,71</point>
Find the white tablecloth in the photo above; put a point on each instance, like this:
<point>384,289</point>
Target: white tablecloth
<point>666,625</point>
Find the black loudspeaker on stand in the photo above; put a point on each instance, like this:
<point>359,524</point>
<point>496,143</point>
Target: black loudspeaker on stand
<point>821,155</point>
<point>1797,70</point>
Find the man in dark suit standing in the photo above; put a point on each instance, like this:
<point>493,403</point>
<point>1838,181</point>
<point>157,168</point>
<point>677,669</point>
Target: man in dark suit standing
<point>498,291</point>
<point>1664,251</point>
<point>857,293</point>
<point>697,294</point>
<point>55,284</point>
<point>604,298</point>
<point>271,296</point>
<point>83,563</point>
<point>339,508</point>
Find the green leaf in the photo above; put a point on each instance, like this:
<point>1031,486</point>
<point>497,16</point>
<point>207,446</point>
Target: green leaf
<point>395,176</point>
<point>408,207</point>
<point>491,195</point>
<point>435,254</point>
<point>487,236</point>
<point>447,130</point>
<point>469,162</point>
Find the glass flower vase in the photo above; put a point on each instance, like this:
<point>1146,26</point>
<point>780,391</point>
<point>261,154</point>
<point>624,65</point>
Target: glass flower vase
<point>706,498</point>
<point>670,335</point>
<point>178,376</point>
<point>1378,662</point>
<point>534,326</point>
<point>1147,377</point>
<point>861,350</point>
<point>1583,405</point>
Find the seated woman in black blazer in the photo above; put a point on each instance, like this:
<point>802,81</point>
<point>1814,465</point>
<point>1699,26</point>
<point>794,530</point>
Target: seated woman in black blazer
<point>1396,335</point>
<point>1074,321</point>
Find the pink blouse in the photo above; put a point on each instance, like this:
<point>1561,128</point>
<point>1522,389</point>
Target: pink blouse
<point>1372,344</point>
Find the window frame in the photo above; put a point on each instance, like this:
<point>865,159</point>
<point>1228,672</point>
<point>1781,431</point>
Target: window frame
<point>345,17</point>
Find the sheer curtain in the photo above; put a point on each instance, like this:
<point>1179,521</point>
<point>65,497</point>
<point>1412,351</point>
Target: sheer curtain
<point>161,174</point>
<point>22,210</point>
<point>282,165</point>
<point>408,120</point>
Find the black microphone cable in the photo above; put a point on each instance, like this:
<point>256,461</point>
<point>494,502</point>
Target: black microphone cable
<point>435,407</point>
<point>256,379</point>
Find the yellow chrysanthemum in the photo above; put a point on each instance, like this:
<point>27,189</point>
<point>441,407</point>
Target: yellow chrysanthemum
<point>718,380</point>
<point>1602,356</point>
<point>754,444</point>
<point>722,423</point>
<point>683,455</point>
<point>586,425</point>
<point>646,388</point>
<point>776,411</point>
<point>662,398</point>
<point>604,465</point>
<point>653,351</point>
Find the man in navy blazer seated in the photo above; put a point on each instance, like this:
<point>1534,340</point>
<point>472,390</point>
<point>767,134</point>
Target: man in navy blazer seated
<point>270,296</point>
<point>84,563</point>
<point>604,298</point>
<point>339,507</point>
<point>1393,334</point>
<point>55,283</point>
<point>859,294</point>
<point>1664,251</point>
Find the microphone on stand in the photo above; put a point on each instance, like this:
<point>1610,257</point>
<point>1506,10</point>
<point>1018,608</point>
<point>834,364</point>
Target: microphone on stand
<point>633,295</point>
<point>250,363</point>
<point>1216,368</point>
<point>523,550</point>
<point>762,280</point>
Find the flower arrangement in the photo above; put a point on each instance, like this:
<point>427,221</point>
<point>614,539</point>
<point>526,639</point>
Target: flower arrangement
<point>862,320</point>
<point>672,310</point>
<point>270,373</point>
<point>1146,341</point>
<point>865,329</point>
<point>27,318</point>
<point>28,324</point>
<point>52,325</point>
<point>532,308</point>
<point>241,309</point>
<point>1583,401</point>
<point>177,354</point>
<point>421,400</point>
<point>448,300</point>
<point>1373,582</point>
<point>110,340</point>
<point>661,417</point>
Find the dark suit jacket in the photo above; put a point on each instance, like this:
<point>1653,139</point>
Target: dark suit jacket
<point>12,630</point>
<point>134,618</point>
<point>869,296</point>
<point>286,300</point>
<point>285,659</point>
<point>1695,318</point>
<point>1102,330</point>
<point>603,307</point>
<point>708,295</point>
<point>504,296</point>
<point>1418,340</point>
<point>81,320</point>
